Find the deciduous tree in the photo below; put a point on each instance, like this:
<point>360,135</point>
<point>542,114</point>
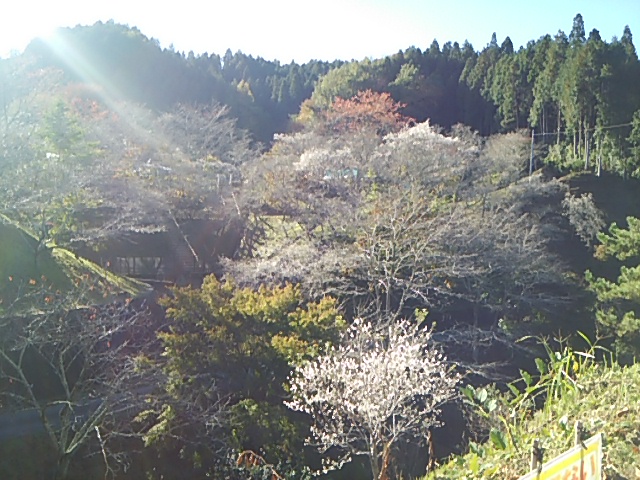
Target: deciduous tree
<point>367,110</point>
<point>73,368</point>
<point>380,386</point>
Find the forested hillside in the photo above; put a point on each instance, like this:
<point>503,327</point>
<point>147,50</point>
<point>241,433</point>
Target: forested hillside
<point>562,86</point>
<point>577,91</point>
<point>337,251</point>
<point>261,94</point>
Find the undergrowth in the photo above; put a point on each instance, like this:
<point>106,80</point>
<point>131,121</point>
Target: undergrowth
<point>570,386</point>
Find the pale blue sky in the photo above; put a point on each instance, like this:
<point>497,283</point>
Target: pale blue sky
<point>321,29</point>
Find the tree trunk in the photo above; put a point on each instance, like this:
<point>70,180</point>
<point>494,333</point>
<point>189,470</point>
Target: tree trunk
<point>373,460</point>
<point>580,126</point>
<point>587,150</point>
<point>432,455</point>
<point>62,470</point>
<point>599,158</point>
<point>386,462</point>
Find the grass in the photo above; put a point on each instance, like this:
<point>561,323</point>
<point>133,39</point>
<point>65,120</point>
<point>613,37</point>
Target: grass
<point>604,397</point>
<point>29,269</point>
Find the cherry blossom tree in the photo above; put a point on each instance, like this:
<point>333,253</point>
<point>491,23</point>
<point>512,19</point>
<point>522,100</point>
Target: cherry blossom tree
<point>378,387</point>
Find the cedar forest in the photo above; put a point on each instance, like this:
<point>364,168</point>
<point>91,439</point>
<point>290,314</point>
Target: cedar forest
<point>384,239</point>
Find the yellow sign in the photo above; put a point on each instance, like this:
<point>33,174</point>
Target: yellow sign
<point>579,463</point>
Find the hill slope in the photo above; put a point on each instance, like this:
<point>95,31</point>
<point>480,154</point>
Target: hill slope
<point>606,399</point>
<point>29,271</point>
<point>126,64</point>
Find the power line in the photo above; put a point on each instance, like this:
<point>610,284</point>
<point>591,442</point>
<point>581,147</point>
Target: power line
<point>532,164</point>
<point>565,131</point>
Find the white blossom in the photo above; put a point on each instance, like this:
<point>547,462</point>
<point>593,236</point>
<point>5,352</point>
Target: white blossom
<point>378,386</point>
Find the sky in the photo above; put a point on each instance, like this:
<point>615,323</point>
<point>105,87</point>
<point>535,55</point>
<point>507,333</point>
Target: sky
<point>301,30</point>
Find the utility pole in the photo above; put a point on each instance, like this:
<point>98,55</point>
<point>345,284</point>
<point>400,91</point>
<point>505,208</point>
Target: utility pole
<point>587,150</point>
<point>531,158</point>
<point>599,162</point>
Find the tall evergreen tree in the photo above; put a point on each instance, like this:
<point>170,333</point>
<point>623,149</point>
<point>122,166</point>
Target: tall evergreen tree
<point>434,49</point>
<point>507,46</point>
<point>577,35</point>
<point>627,43</point>
<point>479,74</point>
<point>542,81</point>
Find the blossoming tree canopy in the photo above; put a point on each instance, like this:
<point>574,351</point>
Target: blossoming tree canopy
<point>380,385</point>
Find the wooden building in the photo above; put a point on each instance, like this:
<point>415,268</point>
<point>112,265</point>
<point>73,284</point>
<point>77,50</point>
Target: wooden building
<point>178,254</point>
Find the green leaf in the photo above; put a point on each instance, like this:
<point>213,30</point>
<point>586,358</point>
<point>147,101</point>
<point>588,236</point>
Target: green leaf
<point>526,377</point>
<point>474,464</point>
<point>541,366</point>
<point>514,390</point>
<point>468,391</point>
<point>498,439</point>
<point>476,449</point>
<point>586,339</point>
<point>481,395</point>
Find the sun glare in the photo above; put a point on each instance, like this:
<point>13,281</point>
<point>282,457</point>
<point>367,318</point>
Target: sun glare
<point>13,39</point>
<point>29,19</point>
<point>81,66</point>
<point>16,32</point>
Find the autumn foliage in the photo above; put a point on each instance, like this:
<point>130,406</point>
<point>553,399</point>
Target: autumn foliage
<point>367,110</point>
